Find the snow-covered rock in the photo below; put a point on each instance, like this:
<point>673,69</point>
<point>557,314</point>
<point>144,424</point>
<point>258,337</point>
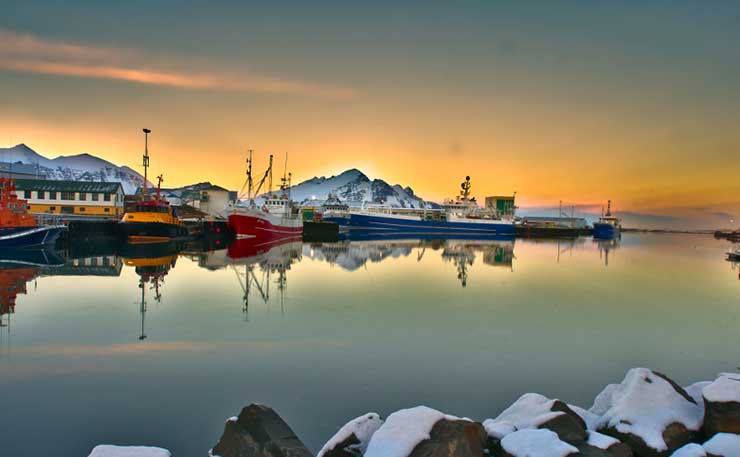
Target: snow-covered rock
<point>649,412</point>
<point>720,445</point>
<point>535,443</point>
<point>354,188</point>
<point>80,167</point>
<point>690,450</point>
<point>107,450</point>
<point>406,429</point>
<point>532,411</point>
<point>723,445</point>
<point>353,437</point>
<point>722,405</point>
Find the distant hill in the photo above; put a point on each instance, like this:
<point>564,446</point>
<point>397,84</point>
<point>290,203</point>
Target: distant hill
<point>80,167</point>
<point>355,188</point>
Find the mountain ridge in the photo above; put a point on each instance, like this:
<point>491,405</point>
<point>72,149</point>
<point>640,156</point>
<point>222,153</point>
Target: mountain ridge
<point>76,167</point>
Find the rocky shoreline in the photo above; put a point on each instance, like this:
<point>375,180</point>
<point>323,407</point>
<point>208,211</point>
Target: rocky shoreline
<point>646,415</point>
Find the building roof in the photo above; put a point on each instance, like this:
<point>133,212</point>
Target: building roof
<point>68,186</point>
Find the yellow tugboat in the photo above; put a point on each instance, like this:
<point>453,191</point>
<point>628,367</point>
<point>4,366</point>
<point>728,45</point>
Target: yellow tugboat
<point>153,219</point>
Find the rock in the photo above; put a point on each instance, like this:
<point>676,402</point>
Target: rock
<point>566,426</point>
<point>425,432</point>
<point>604,445</point>
<point>723,445</point>
<point>690,450</point>
<point>453,438</point>
<point>259,432</point>
<point>535,443</point>
<point>352,439</point>
<point>648,412</point>
<point>722,405</point>
<point>532,411</point>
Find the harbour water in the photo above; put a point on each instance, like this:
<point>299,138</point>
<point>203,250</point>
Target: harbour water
<point>334,330</point>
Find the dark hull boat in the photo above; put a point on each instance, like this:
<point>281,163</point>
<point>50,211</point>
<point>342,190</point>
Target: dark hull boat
<point>20,237</point>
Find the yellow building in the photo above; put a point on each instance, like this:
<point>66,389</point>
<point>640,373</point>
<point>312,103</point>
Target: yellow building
<point>83,198</point>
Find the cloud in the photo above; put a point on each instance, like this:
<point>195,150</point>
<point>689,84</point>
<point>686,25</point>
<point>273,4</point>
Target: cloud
<point>30,54</point>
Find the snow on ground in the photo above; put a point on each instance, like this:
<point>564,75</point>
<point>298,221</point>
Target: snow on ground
<point>724,444</point>
<point>644,404</point>
<point>690,450</point>
<point>403,430</point>
<point>362,427</point>
<point>726,388</point>
<point>107,450</point>
<point>536,443</point>
<point>600,440</point>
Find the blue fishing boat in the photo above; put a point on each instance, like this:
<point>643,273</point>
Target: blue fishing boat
<point>461,216</point>
<point>608,226</point>
<point>18,229</point>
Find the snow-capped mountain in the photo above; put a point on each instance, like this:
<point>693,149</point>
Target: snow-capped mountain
<point>80,167</point>
<point>355,188</point>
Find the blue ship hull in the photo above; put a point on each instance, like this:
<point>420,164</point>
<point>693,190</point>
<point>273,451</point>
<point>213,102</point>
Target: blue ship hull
<point>605,231</point>
<point>386,224</point>
<point>23,237</point>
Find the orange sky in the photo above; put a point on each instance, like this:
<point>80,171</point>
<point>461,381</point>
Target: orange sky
<point>646,117</point>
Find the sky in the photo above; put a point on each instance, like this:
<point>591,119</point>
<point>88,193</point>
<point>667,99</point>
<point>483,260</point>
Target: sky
<point>637,102</point>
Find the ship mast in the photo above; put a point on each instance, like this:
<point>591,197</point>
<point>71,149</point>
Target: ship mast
<point>146,158</point>
<point>249,175</point>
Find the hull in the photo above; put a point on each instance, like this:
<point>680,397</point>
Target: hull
<point>256,224</point>
<point>21,237</point>
<point>152,231</point>
<point>415,226</point>
<point>605,231</point>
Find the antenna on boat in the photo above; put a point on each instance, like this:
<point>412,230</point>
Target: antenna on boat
<point>249,174</point>
<point>146,157</point>
<point>160,178</point>
<point>609,208</point>
<point>269,183</point>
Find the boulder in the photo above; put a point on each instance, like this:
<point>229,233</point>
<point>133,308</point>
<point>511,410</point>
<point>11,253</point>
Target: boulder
<point>648,412</point>
<point>535,443</point>
<point>722,405</point>
<point>537,411</point>
<point>453,438</point>
<point>723,445</point>
<point>425,432</point>
<point>598,444</point>
<point>259,432</point>
<point>352,439</point>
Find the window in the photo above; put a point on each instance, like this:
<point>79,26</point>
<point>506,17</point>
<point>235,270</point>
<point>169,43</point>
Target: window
<point>52,208</point>
<point>26,194</point>
<point>83,196</point>
<point>106,197</point>
<point>107,210</point>
<point>94,196</point>
<point>52,195</point>
<point>40,194</point>
<point>67,196</point>
<point>82,209</point>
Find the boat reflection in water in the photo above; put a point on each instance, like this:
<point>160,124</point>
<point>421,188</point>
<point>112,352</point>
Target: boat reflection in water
<point>17,268</point>
<point>352,255</point>
<point>151,262</point>
<point>273,257</point>
<point>605,247</point>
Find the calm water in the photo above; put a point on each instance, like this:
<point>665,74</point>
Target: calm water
<point>462,326</point>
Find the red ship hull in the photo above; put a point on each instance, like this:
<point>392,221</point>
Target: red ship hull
<point>261,228</point>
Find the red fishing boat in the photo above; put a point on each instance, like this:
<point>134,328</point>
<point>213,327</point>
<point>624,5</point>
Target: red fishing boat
<point>18,229</point>
<point>275,218</point>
